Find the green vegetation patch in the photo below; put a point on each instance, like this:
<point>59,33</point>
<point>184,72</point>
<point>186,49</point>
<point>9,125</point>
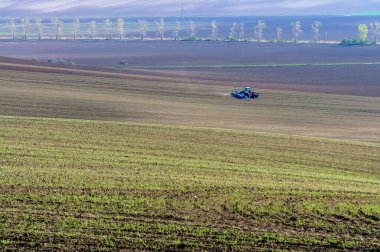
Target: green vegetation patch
<point>92,185</point>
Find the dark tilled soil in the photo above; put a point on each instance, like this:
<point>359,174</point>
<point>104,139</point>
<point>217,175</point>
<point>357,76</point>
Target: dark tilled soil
<point>359,80</point>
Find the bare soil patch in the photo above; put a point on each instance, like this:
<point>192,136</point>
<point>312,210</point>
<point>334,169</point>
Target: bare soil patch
<point>88,94</point>
<point>351,79</point>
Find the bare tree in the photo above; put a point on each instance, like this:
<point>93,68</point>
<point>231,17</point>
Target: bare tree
<point>233,32</point>
<point>143,26</point>
<point>107,28</point>
<point>363,33</point>
<point>58,24</point>
<point>92,27</point>
<point>316,26</point>
<point>76,26</point>
<point>38,24</point>
<point>214,30</point>
<point>161,28</point>
<point>177,29</point>
<point>12,27</point>
<point>193,29</point>
<point>279,32</point>
<point>259,30</point>
<point>242,32</point>
<point>297,29</point>
<point>375,29</point>
<point>25,25</point>
<point>120,27</point>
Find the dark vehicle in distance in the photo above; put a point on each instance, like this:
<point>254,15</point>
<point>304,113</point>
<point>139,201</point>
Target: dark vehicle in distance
<point>245,93</point>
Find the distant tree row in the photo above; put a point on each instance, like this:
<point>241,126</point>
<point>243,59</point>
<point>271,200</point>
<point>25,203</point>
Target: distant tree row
<point>237,31</point>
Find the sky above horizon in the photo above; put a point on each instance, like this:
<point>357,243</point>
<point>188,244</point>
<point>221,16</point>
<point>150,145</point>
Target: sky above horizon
<point>115,8</point>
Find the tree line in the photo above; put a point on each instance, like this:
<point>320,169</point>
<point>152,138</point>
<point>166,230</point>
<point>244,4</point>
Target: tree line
<point>109,30</point>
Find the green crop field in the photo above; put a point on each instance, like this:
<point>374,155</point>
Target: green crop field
<point>95,185</point>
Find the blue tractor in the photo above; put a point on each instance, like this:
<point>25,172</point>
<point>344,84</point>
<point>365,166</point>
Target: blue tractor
<point>245,93</point>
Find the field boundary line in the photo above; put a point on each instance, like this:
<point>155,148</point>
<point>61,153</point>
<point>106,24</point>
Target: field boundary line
<point>261,65</point>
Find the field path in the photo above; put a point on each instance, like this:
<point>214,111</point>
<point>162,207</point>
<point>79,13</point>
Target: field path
<point>261,65</point>
<point>65,70</point>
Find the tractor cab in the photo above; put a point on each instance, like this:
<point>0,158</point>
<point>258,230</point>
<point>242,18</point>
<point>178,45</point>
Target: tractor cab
<point>244,93</point>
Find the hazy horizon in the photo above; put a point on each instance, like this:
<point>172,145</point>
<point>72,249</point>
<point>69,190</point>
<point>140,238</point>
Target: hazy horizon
<point>198,8</point>
<point>84,17</point>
